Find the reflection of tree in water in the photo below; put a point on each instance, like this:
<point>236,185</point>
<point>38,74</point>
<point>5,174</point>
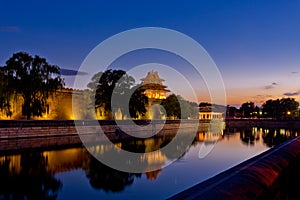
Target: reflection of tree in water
<point>274,136</point>
<point>31,181</point>
<point>111,180</point>
<point>180,145</point>
<point>106,178</point>
<point>249,136</point>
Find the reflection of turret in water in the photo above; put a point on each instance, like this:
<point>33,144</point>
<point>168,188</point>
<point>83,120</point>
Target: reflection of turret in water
<point>153,175</point>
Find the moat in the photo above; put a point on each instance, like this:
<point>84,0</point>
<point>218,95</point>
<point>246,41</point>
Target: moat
<point>70,172</point>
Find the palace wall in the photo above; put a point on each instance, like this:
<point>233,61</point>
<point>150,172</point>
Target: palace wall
<point>59,106</point>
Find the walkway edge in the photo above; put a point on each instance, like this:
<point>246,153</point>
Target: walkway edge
<point>255,178</point>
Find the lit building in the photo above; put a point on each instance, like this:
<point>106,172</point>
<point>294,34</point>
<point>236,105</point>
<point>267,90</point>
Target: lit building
<point>153,85</point>
<point>207,113</point>
<point>156,92</point>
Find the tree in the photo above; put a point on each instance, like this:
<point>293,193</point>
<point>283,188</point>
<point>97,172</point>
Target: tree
<point>103,85</point>
<point>5,93</point>
<point>188,109</point>
<point>271,108</point>
<point>194,110</point>
<point>247,109</point>
<point>281,108</point>
<point>232,111</point>
<point>34,80</point>
<point>137,102</point>
<point>172,107</point>
<point>117,83</point>
<point>289,108</point>
<point>178,108</point>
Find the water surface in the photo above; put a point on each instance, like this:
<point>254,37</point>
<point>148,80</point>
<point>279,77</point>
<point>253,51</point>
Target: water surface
<point>72,173</point>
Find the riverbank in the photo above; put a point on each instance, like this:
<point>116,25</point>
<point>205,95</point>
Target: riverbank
<point>262,123</point>
<point>19,129</point>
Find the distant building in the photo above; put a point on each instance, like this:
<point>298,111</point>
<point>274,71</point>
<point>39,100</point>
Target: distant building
<point>207,112</point>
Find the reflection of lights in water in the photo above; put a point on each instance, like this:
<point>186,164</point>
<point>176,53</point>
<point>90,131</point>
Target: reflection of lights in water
<point>209,140</point>
<point>102,149</point>
<point>288,133</point>
<point>14,163</point>
<point>254,130</point>
<point>210,136</point>
<point>156,157</point>
<point>119,145</point>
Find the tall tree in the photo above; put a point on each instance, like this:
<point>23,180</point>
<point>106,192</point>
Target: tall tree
<point>247,109</point>
<point>172,107</point>
<point>5,93</point>
<point>34,79</point>
<point>290,107</point>
<point>281,108</point>
<point>117,83</point>
<point>272,108</point>
<point>138,102</point>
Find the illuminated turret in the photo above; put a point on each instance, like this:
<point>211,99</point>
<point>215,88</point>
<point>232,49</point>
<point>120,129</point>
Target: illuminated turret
<point>156,92</point>
<point>153,85</point>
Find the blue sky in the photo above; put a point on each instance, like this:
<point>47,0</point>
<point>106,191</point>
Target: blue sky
<point>255,43</point>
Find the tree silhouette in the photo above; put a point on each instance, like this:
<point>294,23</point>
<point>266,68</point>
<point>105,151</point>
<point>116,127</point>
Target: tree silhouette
<point>34,79</point>
<point>5,93</point>
<point>116,82</point>
<point>281,109</point>
<point>33,181</point>
<point>106,178</point>
<point>137,102</point>
<point>178,108</point>
<point>247,109</point>
<point>172,106</point>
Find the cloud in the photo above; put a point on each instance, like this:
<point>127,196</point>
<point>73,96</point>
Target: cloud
<point>260,99</point>
<point>290,94</point>
<point>267,87</point>
<point>10,29</point>
<point>70,72</point>
<point>294,72</point>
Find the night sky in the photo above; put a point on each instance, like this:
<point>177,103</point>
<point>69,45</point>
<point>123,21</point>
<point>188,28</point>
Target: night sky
<point>254,43</point>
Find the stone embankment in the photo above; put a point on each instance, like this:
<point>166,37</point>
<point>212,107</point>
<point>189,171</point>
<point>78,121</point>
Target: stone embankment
<point>49,128</point>
<point>24,134</point>
<point>262,123</point>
